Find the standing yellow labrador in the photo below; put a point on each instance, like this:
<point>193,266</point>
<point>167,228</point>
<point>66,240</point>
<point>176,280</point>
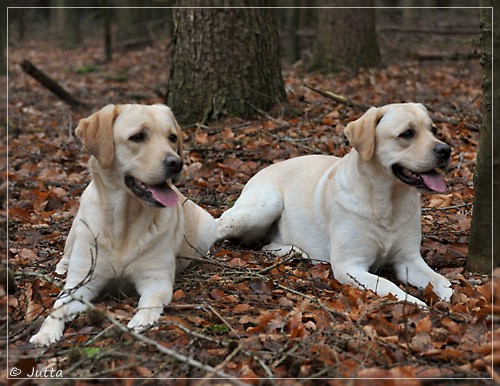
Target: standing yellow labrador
<point>132,222</point>
<point>357,212</point>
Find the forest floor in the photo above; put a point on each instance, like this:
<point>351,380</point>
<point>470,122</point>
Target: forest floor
<point>243,313</point>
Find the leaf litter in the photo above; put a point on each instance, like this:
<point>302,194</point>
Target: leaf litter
<point>242,311</point>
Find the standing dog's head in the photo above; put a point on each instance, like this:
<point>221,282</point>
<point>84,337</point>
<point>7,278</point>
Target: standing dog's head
<point>400,138</point>
<point>139,144</point>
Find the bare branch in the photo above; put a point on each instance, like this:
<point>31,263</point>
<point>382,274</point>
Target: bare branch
<point>172,353</point>
<point>46,81</point>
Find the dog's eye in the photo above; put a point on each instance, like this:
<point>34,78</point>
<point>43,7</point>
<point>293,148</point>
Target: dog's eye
<point>172,138</point>
<point>434,129</point>
<point>408,134</point>
<point>139,137</point>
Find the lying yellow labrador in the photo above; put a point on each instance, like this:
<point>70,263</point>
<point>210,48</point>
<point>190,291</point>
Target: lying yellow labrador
<point>357,212</point>
<point>132,221</point>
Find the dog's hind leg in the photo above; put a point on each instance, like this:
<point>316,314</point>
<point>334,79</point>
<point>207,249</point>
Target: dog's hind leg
<point>252,215</point>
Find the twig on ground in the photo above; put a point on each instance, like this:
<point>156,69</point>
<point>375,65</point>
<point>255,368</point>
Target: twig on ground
<point>223,320</point>
<point>167,351</point>
<point>340,98</point>
<point>262,112</point>
<point>195,334</point>
<point>204,259</point>
<point>279,261</point>
<point>444,56</point>
<point>221,365</point>
<point>278,138</point>
<point>285,355</point>
<point>426,31</point>
<point>263,365</point>
<point>454,122</point>
<point>447,207</point>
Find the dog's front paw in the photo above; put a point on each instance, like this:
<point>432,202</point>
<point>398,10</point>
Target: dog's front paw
<point>50,332</point>
<point>144,318</point>
<point>443,290</point>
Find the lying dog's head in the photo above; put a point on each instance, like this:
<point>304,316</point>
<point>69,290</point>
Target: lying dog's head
<point>141,145</point>
<point>400,138</point>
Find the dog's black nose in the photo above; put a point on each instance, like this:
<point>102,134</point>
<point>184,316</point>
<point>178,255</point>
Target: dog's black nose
<point>173,164</point>
<point>442,151</point>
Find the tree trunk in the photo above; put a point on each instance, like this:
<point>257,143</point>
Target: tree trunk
<point>496,140</point>
<point>480,245</point>
<point>409,11</point>
<point>224,61</point>
<point>346,39</point>
<point>56,17</point>
<point>132,17</point>
<point>71,31</point>
<point>292,28</point>
<point>106,18</point>
<point>3,46</point>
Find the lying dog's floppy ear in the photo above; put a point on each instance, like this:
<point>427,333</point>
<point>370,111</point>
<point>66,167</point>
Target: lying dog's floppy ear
<point>361,132</point>
<point>96,134</point>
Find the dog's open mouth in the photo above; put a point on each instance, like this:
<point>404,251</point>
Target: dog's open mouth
<point>431,180</point>
<point>159,195</point>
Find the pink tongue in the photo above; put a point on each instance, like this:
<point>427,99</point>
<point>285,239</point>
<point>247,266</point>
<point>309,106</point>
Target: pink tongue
<point>434,181</point>
<point>164,194</point>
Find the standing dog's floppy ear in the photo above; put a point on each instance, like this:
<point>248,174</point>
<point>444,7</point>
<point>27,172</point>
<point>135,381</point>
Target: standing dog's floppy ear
<point>361,132</point>
<point>96,134</point>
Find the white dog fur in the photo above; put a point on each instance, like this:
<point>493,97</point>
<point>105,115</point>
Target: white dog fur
<point>132,222</point>
<point>357,212</point>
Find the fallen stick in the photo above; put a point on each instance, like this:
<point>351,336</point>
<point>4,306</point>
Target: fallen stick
<point>177,356</point>
<point>454,122</point>
<point>162,349</point>
<point>46,81</point>
<point>340,98</point>
<point>445,56</point>
<point>363,106</point>
<point>437,31</point>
